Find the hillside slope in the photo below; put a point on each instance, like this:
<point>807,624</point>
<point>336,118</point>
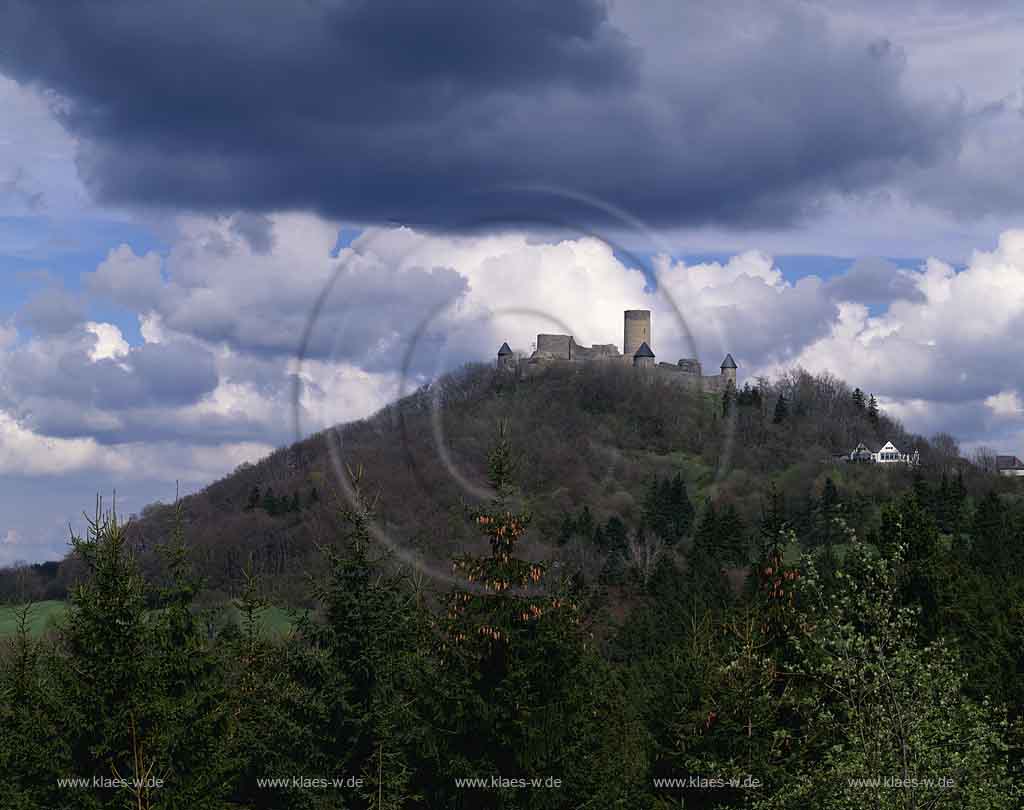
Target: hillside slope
<point>586,436</point>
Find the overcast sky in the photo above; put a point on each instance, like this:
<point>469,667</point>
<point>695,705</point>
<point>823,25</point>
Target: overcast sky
<point>188,189</point>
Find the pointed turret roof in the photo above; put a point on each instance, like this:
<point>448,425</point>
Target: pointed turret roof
<point>504,350</point>
<point>728,362</point>
<point>644,351</point>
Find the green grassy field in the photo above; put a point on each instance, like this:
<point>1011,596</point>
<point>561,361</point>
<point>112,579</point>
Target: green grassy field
<point>275,621</point>
<point>41,615</point>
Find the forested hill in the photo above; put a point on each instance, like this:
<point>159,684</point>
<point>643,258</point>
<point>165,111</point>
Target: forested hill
<point>590,443</point>
<point>626,616</point>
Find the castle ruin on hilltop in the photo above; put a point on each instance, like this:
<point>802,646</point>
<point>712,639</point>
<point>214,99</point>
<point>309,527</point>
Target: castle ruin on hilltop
<point>636,352</point>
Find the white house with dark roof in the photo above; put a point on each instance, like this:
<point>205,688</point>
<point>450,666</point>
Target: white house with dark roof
<point>888,453</point>
<point>1009,465</point>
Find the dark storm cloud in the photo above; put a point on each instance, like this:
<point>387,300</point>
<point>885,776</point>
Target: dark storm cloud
<point>438,114</point>
<point>874,281</point>
<point>256,229</point>
<point>173,374</point>
<point>52,310</point>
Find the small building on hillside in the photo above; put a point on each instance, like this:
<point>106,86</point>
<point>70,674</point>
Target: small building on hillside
<point>1009,465</point>
<point>888,453</point>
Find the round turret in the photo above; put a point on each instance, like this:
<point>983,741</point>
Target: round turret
<point>643,357</point>
<point>506,358</point>
<point>729,369</point>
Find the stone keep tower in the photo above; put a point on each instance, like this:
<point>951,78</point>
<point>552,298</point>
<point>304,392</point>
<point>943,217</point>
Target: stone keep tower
<point>636,331</point>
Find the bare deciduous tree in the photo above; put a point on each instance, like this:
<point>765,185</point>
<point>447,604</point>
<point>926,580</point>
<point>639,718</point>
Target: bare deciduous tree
<point>984,458</point>
<point>644,550</point>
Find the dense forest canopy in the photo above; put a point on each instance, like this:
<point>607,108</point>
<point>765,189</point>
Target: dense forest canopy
<point>588,436</point>
<point>581,589</point>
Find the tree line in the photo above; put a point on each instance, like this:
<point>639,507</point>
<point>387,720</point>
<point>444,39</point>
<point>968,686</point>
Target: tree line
<point>800,670</point>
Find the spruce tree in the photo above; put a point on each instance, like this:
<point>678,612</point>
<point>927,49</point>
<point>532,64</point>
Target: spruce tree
<point>374,637</point>
<point>991,549</point>
<point>516,653</point>
<point>668,511</point>
<point>106,689</point>
<point>616,543</point>
<point>269,502</point>
<point>275,703</point>
<point>781,410</point>
<point>32,751</point>
<point>705,559</point>
<point>873,415</point>
<point>943,504</point>
<point>187,685</point>
<point>830,500</point>
<point>772,535</point>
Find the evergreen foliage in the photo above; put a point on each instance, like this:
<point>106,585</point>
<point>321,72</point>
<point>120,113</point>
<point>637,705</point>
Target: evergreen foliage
<point>668,511</point>
<point>606,649</point>
<point>781,410</point>
<point>873,412</point>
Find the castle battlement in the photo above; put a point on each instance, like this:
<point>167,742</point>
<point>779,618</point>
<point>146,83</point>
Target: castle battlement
<point>637,352</point>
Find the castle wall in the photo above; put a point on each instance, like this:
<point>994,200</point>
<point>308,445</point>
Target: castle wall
<point>557,346</point>
<point>599,351</point>
<point>636,331</point>
<point>681,375</point>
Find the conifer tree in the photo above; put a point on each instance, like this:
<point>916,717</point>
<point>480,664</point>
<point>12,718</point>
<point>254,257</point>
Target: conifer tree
<point>187,684</point>
<point>706,561</point>
<point>374,639</point>
<point>276,711</point>
<point>858,399</point>
<point>830,500</point>
<point>269,502</point>
<point>943,504</point>
<point>957,499</point>
<point>517,653</point>
<point>873,415</point>
<point>616,543</point>
<point>667,509</point>
<point>32,755</point>
<point>107,690</point>
<point>781,410</point>
<point>991,550</point>
<point>772,535</point>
